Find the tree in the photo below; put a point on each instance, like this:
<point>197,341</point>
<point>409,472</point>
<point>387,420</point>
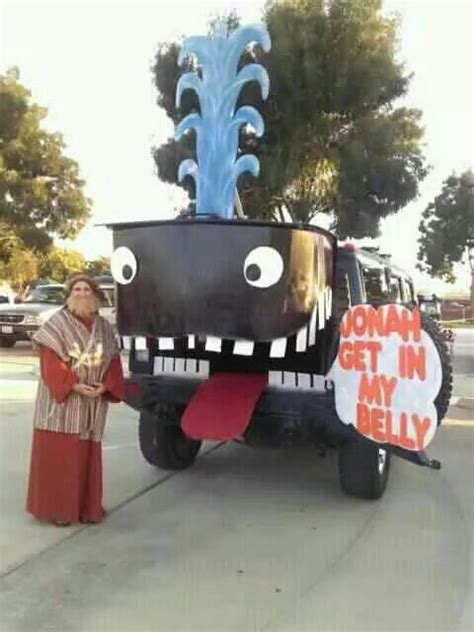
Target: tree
<point>59,264</point>
<point>9,242</point>
<point>447,227</point>
<point>334,142</point>
<point>21,269</point>
<point>41,192</point>
<point>98,267</point>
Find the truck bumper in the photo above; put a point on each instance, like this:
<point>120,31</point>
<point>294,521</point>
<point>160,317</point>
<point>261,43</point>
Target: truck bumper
<point>18,332</point>
<point>283,416</point>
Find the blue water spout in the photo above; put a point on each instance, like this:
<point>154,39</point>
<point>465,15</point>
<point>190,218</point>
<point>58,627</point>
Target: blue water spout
<point>217,126</point>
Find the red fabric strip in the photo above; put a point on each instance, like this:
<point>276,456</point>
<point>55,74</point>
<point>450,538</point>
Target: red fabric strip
<point>113,381</point>
<point>222,406</point>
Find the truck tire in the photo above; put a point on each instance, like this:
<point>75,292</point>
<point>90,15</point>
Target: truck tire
<point>364,469</point>
<point>444,395</point>
<point>6,342</point>
<point>163,443</point>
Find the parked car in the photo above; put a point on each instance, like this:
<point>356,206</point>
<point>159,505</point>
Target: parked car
<point>107,309</point>
<point>6,298</point>
<point>7,295</point>
<point>20,321</point>
<point>432,306</point>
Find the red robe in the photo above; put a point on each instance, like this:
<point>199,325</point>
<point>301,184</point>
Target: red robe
<point>65,481</point>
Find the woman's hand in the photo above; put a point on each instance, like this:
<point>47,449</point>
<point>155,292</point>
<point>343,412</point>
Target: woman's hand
<point>99,388</point>
<point>85,390</point>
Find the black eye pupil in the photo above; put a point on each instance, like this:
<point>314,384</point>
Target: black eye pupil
<point>127,272</point>
<point>253,272</point>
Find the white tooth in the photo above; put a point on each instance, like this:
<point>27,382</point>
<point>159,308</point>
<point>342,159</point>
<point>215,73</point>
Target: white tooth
<point>168,365</point>
<point>321,316</point>
<point>191,365</point>
<point>304,380</point>
<point>278,348</point>
<point>166,343</point>
<point>289,378</point>
<point>191,342</point>
<point>319,382</point>
<point>328,302</point>
<point>243,347</point>
<point>140,344</point>
<point>127,342</point>
<point>301,339</point>
<point>179,365</point>
<point>158,365</point>
<point>312,327</point>
<point>203,368</point>
<point>275,378</point>
<point>213,344</point>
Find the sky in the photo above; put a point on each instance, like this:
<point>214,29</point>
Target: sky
<point>89,63</point>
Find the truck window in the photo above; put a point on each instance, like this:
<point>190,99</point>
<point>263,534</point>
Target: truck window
<point>375,285</point>
<point>408,294</point>
<point>395,290</point>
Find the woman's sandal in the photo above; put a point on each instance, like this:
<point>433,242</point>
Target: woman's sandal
<point>87,521</point>
<point>61,523</point>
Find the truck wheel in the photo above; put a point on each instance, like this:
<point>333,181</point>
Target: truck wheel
<point>444,395</point>
<point>363,469</point>
<point>162,441</point>
<point>6,342</point>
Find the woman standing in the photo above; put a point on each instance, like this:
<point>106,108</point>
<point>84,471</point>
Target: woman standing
<point>81,373</point>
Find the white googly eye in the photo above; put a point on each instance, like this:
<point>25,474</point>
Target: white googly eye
<point>123,265</point>
<point>263,267</point>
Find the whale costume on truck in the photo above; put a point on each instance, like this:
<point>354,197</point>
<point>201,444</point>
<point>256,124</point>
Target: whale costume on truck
<point>262,331</point>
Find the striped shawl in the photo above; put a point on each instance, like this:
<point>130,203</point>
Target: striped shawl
<point>88,353</point>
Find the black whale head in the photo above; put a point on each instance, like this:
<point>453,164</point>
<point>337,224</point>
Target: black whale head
<point>225,278</point>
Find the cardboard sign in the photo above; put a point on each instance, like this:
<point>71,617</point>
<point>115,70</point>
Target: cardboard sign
<point>387,375</point>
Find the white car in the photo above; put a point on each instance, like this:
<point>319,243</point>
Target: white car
<point>107,310</point>
<point>7,299</point>
<point>20,321</point>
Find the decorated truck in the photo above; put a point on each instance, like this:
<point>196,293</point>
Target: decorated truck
<point>267,333</point>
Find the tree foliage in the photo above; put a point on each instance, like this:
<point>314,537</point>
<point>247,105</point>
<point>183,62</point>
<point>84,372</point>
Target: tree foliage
<point>447,227</point>
<point>99,267</point>
<point>9,242</point>
<point>334,142</point>
<point>21,269</point>
<point>59,263</point>
<point>41,192</point>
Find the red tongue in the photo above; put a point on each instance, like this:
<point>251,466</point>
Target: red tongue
<point>222,406</point>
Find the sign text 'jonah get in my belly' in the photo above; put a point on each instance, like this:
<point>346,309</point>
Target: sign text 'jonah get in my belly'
<point>387,375</point>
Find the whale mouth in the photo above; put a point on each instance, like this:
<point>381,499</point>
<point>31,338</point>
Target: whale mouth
<point>223,404</point>
<point>306,337</point>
